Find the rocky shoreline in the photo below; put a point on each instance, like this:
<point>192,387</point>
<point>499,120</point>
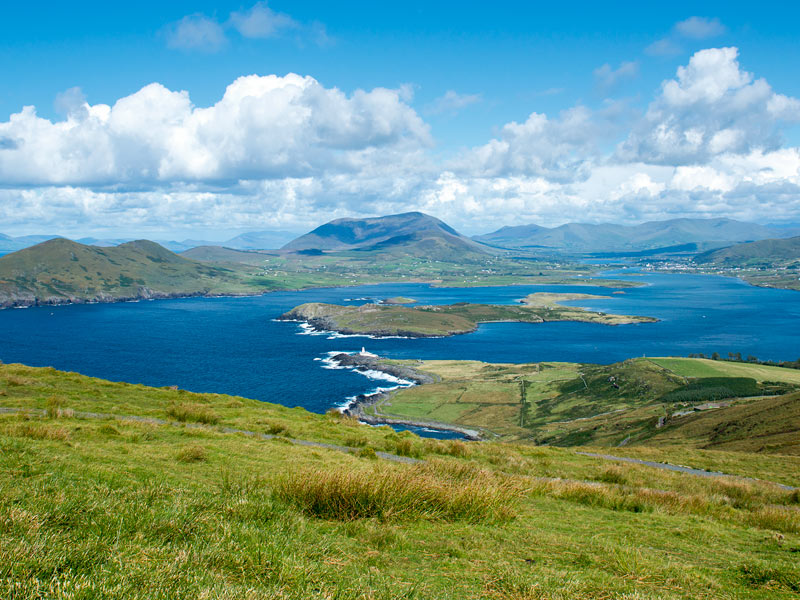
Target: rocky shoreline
<point>362,362</point>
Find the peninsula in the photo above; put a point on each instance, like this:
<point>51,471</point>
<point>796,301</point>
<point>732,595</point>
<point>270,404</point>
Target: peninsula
<point>446,320</point>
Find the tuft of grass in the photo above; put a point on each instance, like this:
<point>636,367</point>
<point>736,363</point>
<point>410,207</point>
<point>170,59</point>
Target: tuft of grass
<point>758,574</point>
<point>390,494</point>
<point>612,474</point>
<point>193,413</point>
<point>39,432</point>
<point>274,428</point>
<point>191,454</point>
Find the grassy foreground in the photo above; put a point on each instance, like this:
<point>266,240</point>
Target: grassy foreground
<point>99,507</point>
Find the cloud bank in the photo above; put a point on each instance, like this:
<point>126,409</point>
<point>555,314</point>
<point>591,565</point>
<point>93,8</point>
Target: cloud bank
<point>286,151</point>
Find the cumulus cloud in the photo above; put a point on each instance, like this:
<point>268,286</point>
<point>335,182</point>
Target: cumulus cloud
<point>452,102</point>
<point>711,107</point>
<point>262,127</point>
<point>196,32</point>
<point>261,21</point>
<point>289,152</point>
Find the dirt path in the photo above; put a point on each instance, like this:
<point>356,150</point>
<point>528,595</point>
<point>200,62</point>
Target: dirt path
<point>682,469</point>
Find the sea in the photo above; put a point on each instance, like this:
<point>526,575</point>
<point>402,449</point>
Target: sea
<point>236,345</point>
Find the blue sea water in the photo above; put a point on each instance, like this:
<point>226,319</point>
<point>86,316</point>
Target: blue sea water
<point>234,345</point>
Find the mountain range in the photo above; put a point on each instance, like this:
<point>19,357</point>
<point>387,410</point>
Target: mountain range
<point>608,237</point>
<point>252,240</point>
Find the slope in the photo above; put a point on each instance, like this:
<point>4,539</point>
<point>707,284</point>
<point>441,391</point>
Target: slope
<point>59,271</point>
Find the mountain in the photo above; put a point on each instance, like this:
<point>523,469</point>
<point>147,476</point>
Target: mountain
<point>761,252</point>
<point>259,240</point>
<point>12,244</point>
<point>60,271</point>
<point>412,233</point>
<point>585,237</point>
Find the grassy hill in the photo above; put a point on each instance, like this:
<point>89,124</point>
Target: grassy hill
<point>638,401</point>
<point>60,270</point>
<point>761,253</point>
<point>175,504</point>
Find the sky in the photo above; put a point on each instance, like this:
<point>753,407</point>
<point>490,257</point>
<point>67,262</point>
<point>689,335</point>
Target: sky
<point>206,119</point>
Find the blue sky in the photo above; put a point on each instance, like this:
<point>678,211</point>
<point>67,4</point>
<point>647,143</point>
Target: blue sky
<point>461,73</point>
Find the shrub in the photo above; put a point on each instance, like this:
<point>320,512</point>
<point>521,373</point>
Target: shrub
<point>367,452</point>
<point>391,493</point>
<point>194,413</point>
<point>277,429</point>
<point>191,454</point>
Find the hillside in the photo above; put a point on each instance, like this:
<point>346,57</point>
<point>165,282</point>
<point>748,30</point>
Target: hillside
<point>412,233</point>
<point>763,252</point>
<point>583,237</point>
<point>60,271</point>
<point>111,490</point>
<point>689,402</point>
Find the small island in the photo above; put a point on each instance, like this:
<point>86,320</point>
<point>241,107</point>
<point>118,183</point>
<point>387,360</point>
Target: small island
<point>398,300</point>
<point>383,320</point>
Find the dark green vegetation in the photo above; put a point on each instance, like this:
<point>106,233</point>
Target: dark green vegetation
<point>445,320</point>
<point>106,507</point>
<point>688,402</point>
<point>605,237</point>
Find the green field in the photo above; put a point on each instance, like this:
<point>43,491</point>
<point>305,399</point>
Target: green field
<point>660,401</point>
<point>99,507</point>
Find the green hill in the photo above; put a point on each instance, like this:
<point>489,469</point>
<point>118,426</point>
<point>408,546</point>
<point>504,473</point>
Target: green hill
<point>638,401</point>
<point>764,252</point>
<point>112,490</point>
<point>60,271</point>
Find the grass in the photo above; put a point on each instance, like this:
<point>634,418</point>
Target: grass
<point>426,491</point>
<point>98,508</point>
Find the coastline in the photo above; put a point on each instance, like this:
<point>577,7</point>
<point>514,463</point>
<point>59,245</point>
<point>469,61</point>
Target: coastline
<point>356,408</point>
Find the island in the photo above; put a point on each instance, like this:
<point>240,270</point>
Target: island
<point>383,320</point>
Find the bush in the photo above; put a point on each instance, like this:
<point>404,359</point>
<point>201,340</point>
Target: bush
<point>194,413</point>
<point>391,493</point>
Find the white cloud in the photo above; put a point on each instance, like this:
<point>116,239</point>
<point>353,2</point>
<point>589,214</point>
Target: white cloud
<point>196,32</point>
<point>261,21</point>
<point>699,28</point>
<point>712,107</point>
<point>607,77</point>
<point>288,152</point>
<point>452,102</point>
<point>263,127</point>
